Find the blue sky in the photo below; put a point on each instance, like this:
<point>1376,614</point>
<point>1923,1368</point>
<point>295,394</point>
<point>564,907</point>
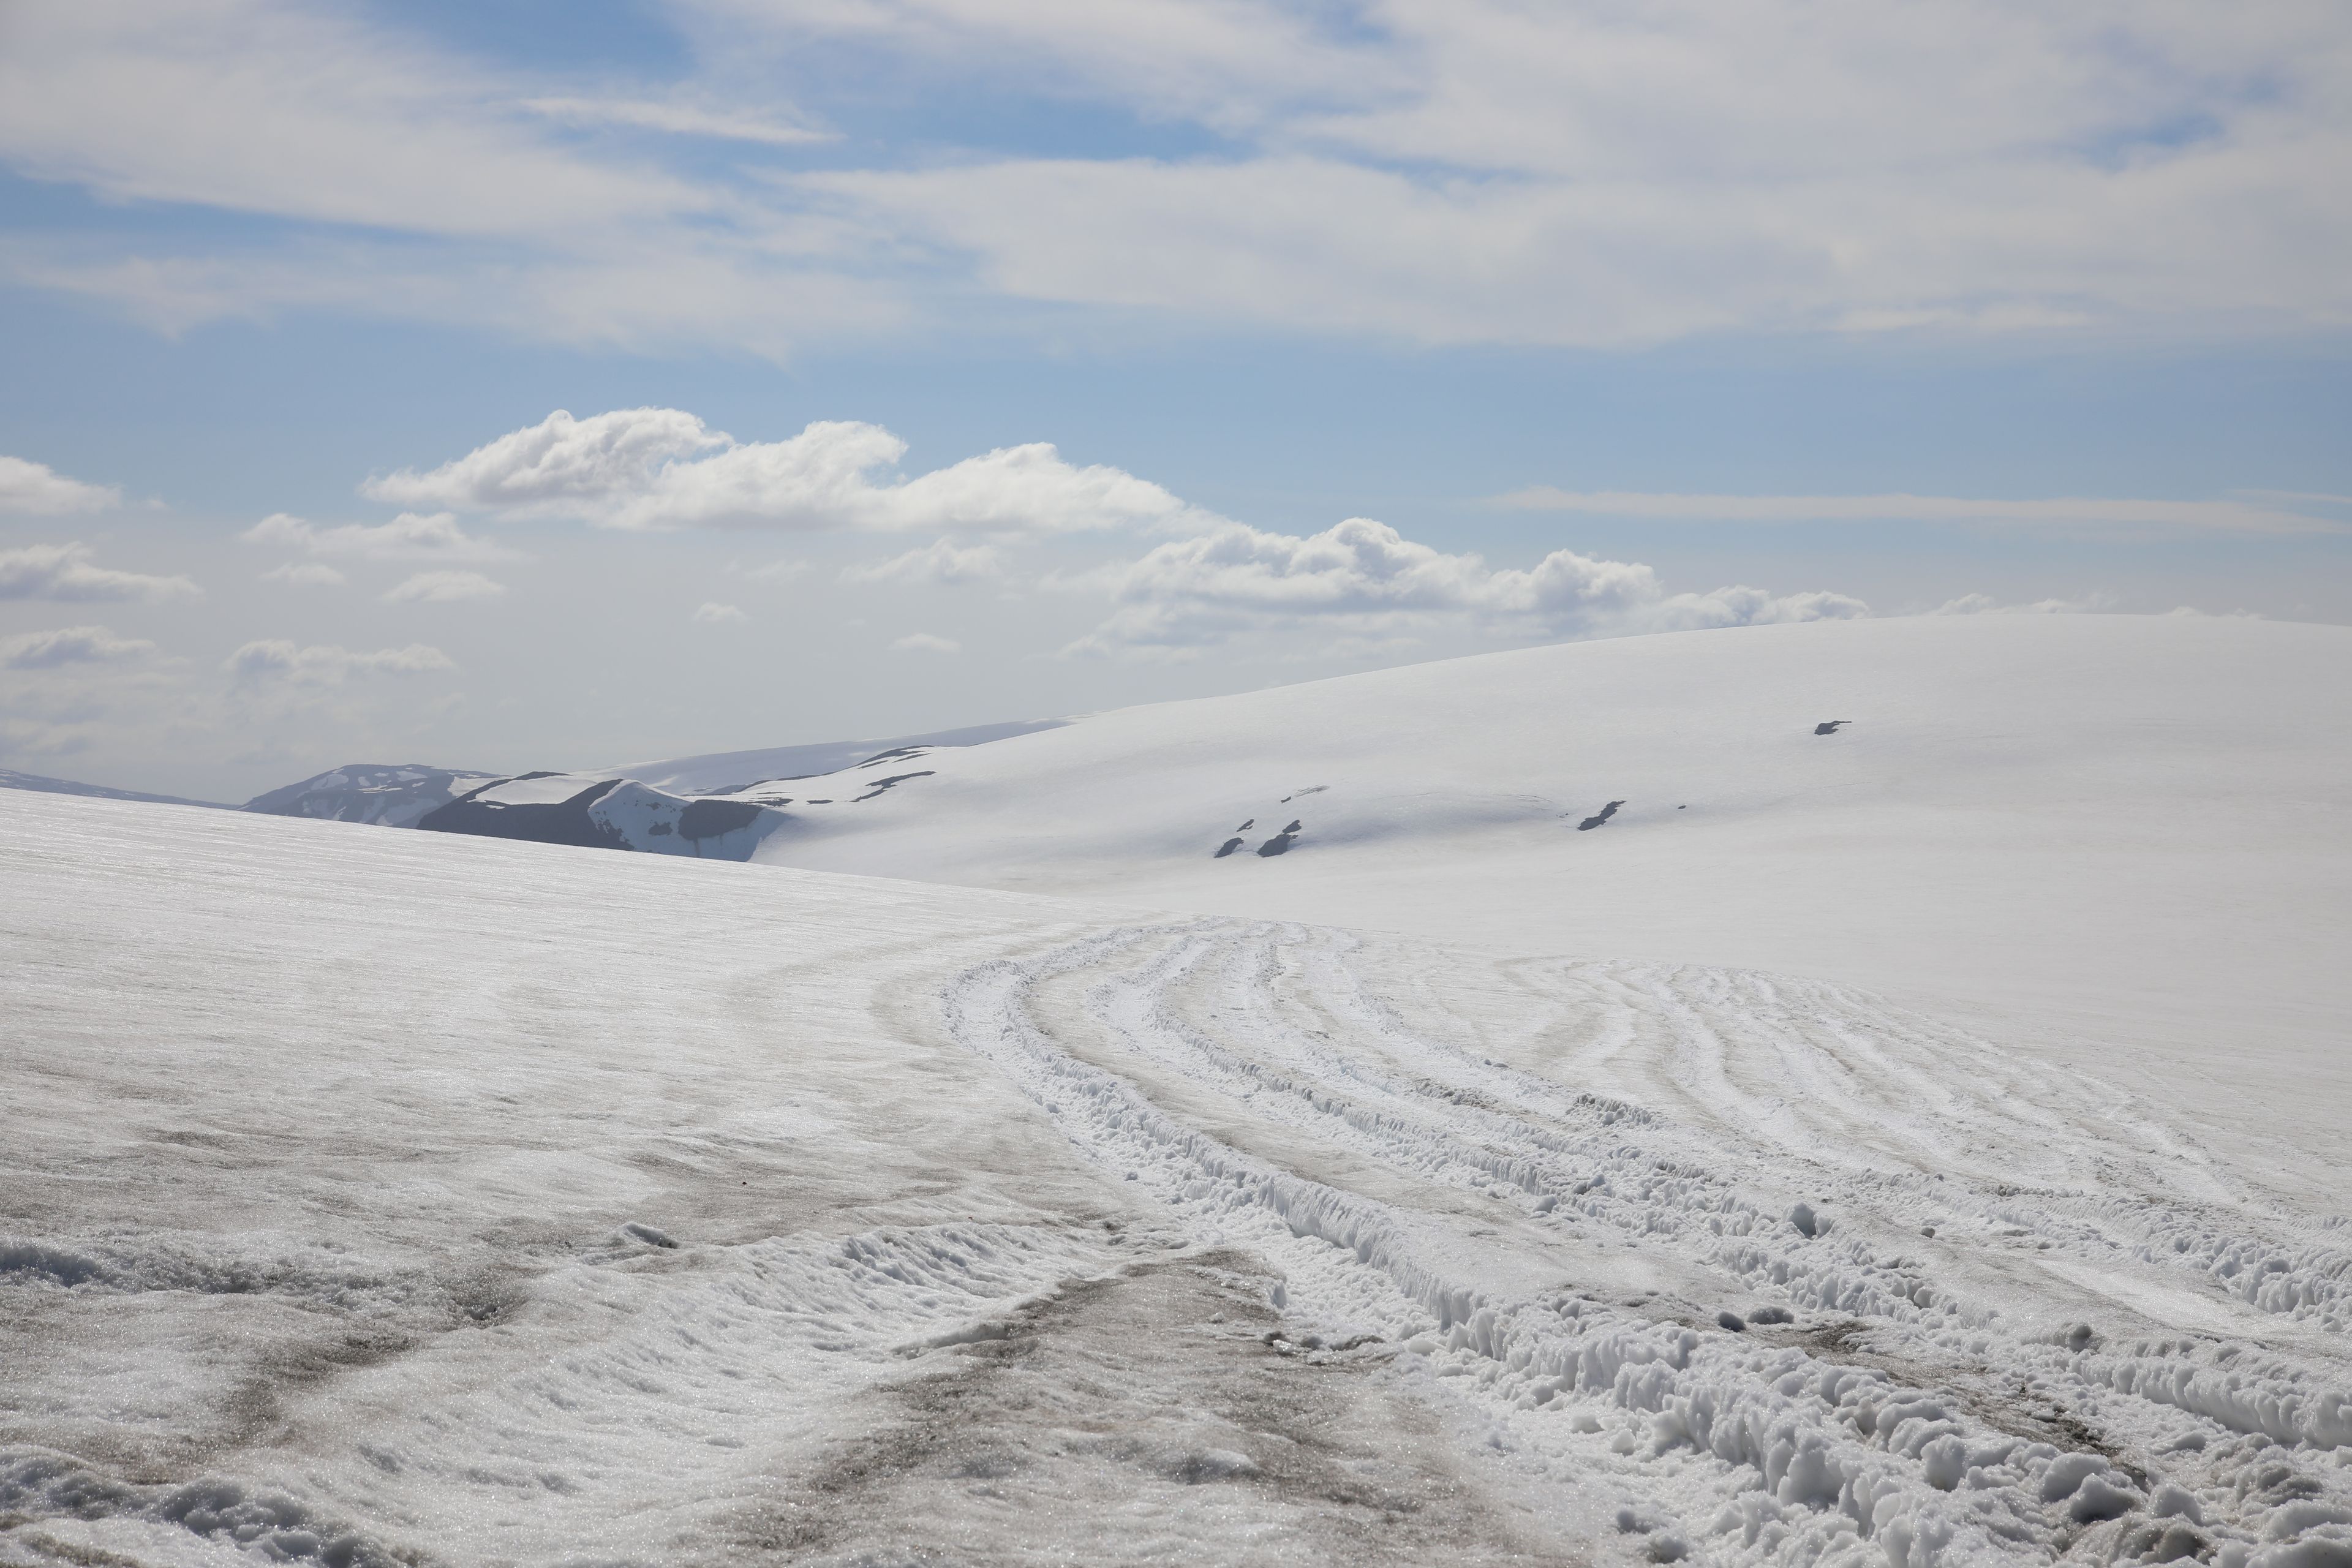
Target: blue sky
<point>1600,322</point>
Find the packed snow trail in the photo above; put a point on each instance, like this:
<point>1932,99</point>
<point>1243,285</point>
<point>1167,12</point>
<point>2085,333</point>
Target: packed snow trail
<point>372,1198</point>
<point>1806,1279</point>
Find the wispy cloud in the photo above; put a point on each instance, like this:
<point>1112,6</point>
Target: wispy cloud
<point>443,588</point>
<point>326,664</point>
<point>676,118</point>
<point>2090,604</point>
<point>779,571</point>
<point>944,561</point>
<point>1459,171</point>
<point>69,645</point>
<point>65,573</point>
<point>305,574</point>
<point>2079,512</point>
<point>411,536</point>
<point>712,614</point>
<point>925,642</point>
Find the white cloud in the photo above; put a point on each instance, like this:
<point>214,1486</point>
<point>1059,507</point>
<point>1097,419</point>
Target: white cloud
<point>662,467</point>
<point>410,536</point>
<point>305,574</point>
<point>328,664</point>
<point>2222,516</point>
<point>712,615</point>
<point>924,642</point>
<point>272,107</point>
<point>443,588</point>
<point>2097,602</point>
<point>944,562</point>
<point>1442,170</point>
<point>1362,577</point>
<point>677,118</point>
<point>64,573</point>
<point>69,645</point>
<point>36,489</point>
<point>1594,175</point>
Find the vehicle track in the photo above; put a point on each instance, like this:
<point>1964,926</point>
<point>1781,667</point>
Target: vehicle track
<point>2023,1315</point>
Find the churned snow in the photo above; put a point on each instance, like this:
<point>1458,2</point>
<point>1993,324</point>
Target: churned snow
<point>1916,1143</point>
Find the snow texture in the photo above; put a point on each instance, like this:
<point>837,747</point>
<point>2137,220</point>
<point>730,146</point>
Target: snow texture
<point>411,1197</point>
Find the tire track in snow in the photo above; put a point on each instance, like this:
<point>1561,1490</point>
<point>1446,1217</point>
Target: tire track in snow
<point>1908,1429</point>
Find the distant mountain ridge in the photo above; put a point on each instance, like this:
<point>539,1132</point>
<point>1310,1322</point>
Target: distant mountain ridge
<point>715,808</point>
<point>389,794</point>
<point>10,779</point>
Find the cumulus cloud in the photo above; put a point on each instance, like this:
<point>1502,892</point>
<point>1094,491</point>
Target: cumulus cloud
<point>37,489</point>
<point>443,588</point>
<point>663,468</point>
<point>64,573</point>
<point>2221,516</point>
<point>275,660</point>
<point>924,642</point>
<point>69,645</point>
<point>713,614</point>
<point>411,536</point>
<point>944,562</point>
<point>1363,576</point>
<point>305,574</point>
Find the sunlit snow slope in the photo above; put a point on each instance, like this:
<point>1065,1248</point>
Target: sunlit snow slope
<point>2126,839</point>
<point>379,1198</point>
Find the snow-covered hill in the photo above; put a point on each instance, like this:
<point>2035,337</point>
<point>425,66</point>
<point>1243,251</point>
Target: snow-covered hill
<point>819,1218</point>
<point>2135,831</point>
<point>1823,1096</point>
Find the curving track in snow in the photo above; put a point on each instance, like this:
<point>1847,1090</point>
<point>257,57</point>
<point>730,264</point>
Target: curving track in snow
<point>1792,1276</point>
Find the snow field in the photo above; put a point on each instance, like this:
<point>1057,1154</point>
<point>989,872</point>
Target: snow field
<point>2126,839</point>
<point>340,1166</point>
<point>382,1197</point>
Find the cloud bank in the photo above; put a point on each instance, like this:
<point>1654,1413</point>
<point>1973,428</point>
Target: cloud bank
<point>1363,576</point>
<point>2218,516</point>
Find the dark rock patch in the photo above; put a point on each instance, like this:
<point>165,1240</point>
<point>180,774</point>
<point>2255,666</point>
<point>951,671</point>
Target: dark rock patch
<point>1281,842</point>
<point>1605,813</point>
<point>560,822</point>
<point>882,786</point>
